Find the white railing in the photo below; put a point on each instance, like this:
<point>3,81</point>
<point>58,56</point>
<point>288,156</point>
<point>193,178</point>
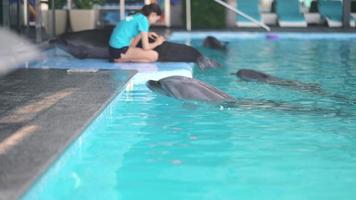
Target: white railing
<point>188,15</point>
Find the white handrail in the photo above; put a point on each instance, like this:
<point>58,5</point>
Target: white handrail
<point>25,17</point>
<point>243,15</point>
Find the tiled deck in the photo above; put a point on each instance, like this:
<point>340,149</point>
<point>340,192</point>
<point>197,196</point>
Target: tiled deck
<point>41,113</point>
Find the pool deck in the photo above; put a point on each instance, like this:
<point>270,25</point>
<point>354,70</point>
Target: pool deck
<point>42,111</point>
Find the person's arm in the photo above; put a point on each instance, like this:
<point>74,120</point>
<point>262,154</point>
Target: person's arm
<point>149,46</point>
<point>135,41</point>
<point>32,10</point>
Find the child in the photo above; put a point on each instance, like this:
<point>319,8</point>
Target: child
<point>127,34</point>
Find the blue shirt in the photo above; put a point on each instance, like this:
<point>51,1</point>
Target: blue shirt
<point>128,29</point>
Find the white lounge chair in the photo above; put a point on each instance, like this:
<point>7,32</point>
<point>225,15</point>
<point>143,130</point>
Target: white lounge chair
<point>313,15</point>
<point>289,15</point>
<point>331,11</point>
<point>251,8</point>
<point>353,14</point>
<point>270,17</point>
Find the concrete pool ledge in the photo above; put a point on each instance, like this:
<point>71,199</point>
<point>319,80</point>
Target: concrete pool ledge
<point>42,111</point>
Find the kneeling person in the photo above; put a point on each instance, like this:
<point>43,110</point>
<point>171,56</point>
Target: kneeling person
<point>128,32</point>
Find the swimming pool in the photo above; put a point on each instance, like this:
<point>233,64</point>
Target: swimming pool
<point>146,146</point>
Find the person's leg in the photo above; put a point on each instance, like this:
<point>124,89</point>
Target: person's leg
<point>138,55</point>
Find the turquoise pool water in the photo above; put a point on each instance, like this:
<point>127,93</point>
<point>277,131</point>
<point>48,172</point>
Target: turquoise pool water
<point>146,146</point>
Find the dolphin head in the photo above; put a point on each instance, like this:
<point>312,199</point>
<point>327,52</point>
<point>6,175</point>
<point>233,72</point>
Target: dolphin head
<point>155,86</point>
<point>214,43</point>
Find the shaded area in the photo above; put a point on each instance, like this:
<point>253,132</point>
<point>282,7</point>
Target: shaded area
<point>42,112</point>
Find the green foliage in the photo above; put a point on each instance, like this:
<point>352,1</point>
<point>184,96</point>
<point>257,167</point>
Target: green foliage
<point>58,4</point>
<point>207,14</point>
<point>87,4</point>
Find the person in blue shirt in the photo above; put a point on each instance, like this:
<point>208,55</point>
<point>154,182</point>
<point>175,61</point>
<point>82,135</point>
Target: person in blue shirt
<point>128,32</point>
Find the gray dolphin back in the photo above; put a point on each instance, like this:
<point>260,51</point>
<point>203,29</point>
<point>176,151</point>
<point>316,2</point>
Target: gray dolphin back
<point>252,75</point>
<point>256,76</point>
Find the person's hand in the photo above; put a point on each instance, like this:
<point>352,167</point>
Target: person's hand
<point>153,35</point>
<point>160,40</point>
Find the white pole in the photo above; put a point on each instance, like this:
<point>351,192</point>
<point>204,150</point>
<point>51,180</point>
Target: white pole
<point>243,15</point>
<point>189,15</point>
<point>25,17</point>
<point>167,13</point>
<point>69,4</point>
<point>122,9</point>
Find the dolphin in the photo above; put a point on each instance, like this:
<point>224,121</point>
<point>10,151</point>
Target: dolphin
<point>256,76</point>
<point>190,89</point>
<point>185,88</point>
<point>94,44</point>
<point>213,43</point>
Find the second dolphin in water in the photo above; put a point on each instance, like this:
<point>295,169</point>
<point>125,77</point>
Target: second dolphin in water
<point>256,76</point>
